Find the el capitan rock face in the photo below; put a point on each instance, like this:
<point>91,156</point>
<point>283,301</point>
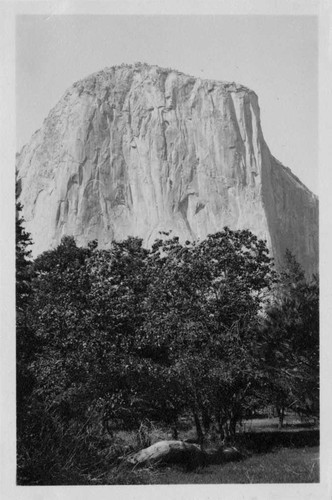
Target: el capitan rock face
<point>134,150</point>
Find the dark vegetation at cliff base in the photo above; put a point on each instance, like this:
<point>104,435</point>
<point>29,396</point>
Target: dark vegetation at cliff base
<point>119,349</point>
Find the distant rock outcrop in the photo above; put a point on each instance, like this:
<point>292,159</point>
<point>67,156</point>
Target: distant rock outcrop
<point>133,150</point>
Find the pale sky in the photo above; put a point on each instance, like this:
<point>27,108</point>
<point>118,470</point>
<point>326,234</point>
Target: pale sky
<point>276,56</point>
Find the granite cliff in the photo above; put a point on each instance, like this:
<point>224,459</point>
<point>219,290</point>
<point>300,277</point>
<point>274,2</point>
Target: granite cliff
<point>133,150</point>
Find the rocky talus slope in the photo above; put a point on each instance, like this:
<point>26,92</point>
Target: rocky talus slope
<point>134,150</point>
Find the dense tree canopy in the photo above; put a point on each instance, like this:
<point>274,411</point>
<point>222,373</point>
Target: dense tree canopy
<point>128,334</point>
<point>291,342</point>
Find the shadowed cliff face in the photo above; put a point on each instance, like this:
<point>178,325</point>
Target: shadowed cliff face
<point>134,150</point>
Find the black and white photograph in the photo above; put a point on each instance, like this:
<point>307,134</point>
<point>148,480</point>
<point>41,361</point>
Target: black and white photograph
<point>166,192</point>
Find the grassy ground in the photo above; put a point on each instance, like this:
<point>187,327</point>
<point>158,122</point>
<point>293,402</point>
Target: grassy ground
<point>267,455</point>
<point>298,465</point>
<point>290,455</point>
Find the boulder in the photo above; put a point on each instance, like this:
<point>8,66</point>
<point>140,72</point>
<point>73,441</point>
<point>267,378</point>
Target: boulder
<point>188,454</point>
<point>168,452</point>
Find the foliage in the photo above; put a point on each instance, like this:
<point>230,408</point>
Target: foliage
<point>24,333</point>
<point>202,310</point>
<point>23,241</point>
<point>129,335</point>
<point>61,320</point>
<point>291,343</point>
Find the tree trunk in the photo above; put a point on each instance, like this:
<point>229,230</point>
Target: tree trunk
<point>281,416</point>
<point>200,435</point>
<point>224,430</point>
<point>235,417</point>
<point>175,432</point>
<point>232,426</point>
<point>206,420</point>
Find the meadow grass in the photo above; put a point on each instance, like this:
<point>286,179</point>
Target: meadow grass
<point>268,455</point>
<point>285,465</point>
<point>290,455</point>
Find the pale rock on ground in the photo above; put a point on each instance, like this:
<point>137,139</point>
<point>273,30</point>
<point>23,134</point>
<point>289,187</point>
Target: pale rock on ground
<point>173,451</point>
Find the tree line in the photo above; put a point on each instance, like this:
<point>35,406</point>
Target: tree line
<point>115,337</point>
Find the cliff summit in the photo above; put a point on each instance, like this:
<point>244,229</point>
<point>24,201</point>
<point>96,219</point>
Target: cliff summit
<point>137,149</point>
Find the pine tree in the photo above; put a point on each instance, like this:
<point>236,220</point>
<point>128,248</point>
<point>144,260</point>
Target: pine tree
<point>23,260</point>
<point>24,336</point>
<point>292,342</point>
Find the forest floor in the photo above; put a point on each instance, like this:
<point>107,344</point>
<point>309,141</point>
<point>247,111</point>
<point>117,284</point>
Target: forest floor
<point>269,455</point>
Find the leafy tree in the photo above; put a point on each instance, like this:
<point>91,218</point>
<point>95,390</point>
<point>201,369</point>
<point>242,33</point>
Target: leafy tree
<point>148,333</point>
<point>59,406</point>
<point>87,309</point>
<point>128,333</point>
<point>203,305</point>
<point>292,342</point>
<point>61,321</point>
